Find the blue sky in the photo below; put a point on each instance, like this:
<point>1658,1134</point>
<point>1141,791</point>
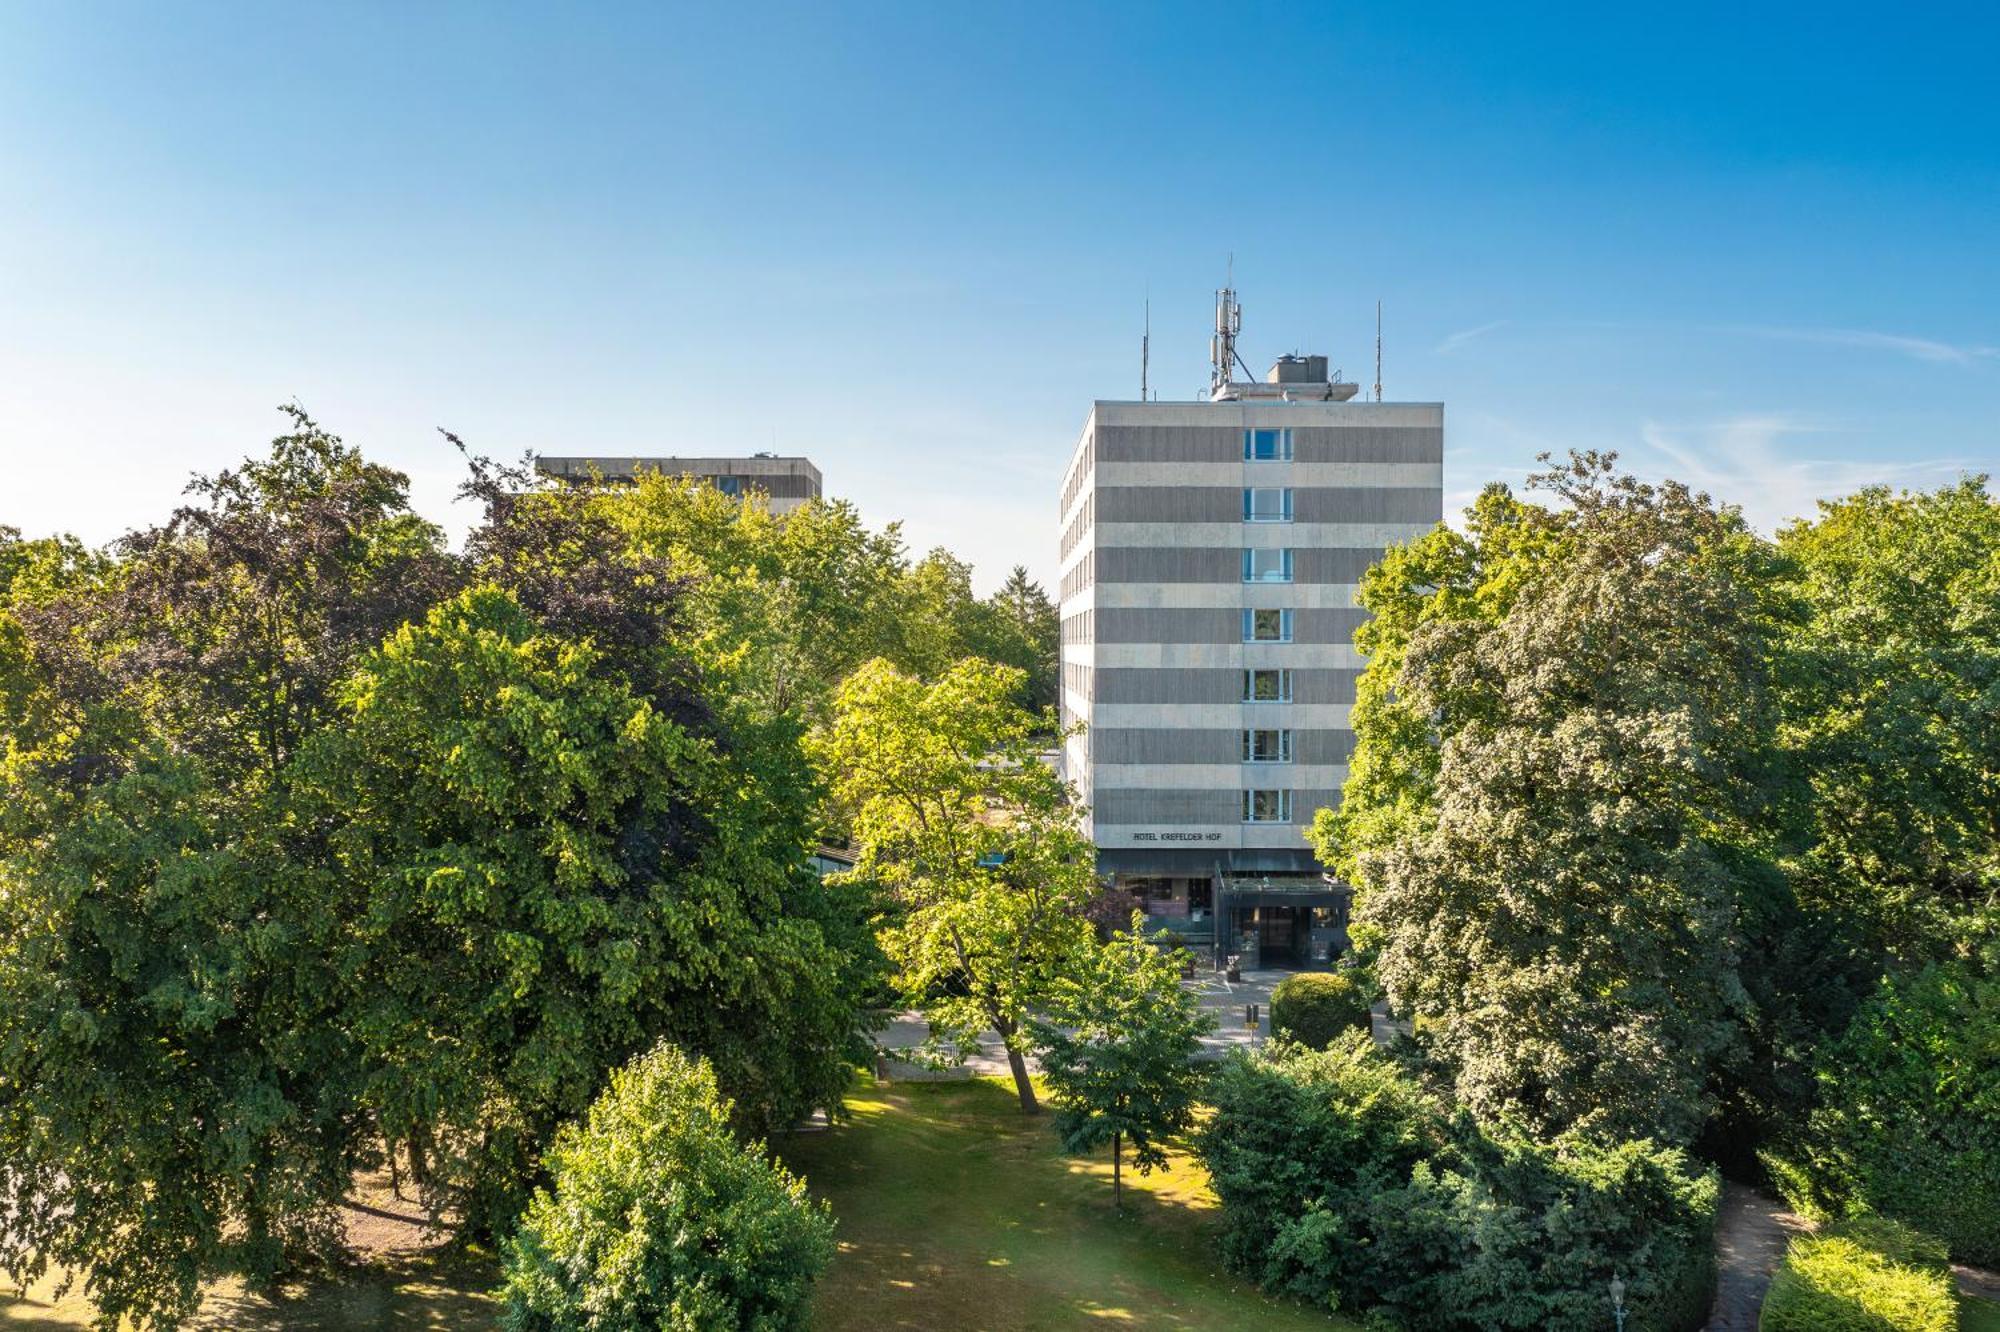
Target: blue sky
<point>1754,246</point>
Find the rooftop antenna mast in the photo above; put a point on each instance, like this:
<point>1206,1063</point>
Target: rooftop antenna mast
<point>1146,350</point>
<point>1228,324</point>
<point>1378,351</point>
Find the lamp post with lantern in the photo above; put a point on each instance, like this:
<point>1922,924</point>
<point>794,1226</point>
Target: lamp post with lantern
<point>1618,1302</point>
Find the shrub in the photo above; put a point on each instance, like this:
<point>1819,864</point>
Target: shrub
<point>661,1218</point>
<point>1864,1275</point>
<point>1345,1183</point>
<point>1313,1007</point>
<point>1909,1122</point>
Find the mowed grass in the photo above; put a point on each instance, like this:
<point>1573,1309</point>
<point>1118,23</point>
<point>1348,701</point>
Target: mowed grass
<point>957,1211</point>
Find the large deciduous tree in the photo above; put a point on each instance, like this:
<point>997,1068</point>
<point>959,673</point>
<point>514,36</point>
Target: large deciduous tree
<point>957,816</point>
<point>1556,900</point>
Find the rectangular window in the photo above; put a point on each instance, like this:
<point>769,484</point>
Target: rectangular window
<point>1267,806</point>
<point>1267,686</point>
<point>1267,746</point>
<point>1267,446</point>
<point>1267,626</point>
<point>1267,504</point>
<point>1267,566</point>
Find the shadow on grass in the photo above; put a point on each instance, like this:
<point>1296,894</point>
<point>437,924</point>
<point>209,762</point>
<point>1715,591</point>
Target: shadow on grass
<point>957,1210</point>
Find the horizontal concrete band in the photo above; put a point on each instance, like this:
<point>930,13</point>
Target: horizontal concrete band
<point>1242,656</point>
<point>1310,504</point>
<point>1318,444</point>
<point>1157,807</point>
<point>1264,412</point>
<point>1237,533</point>
<point>1192,625</point>
<point>1211,596</point>
<point>1213,686</point>
<point>1362,475</point>
<point>1224,564</point>
<point>1229,716</point>
<point>1238,777</point>
<point>1156,745</point>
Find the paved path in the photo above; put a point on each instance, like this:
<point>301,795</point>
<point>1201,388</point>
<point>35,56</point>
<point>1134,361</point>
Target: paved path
<point>1750,1238</point>
<point>1218,995</point>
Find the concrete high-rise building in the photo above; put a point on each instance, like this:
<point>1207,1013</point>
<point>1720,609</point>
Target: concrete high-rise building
<point>789,482</point>
<point>1210,556</point>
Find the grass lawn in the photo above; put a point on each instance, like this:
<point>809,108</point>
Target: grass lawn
<point>955,1210</point>
<point>1978,1315</point>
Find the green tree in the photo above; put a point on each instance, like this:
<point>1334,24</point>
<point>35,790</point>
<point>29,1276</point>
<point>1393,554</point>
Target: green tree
<point>1554,888</point>
<point>958,819</point>
<point>1893,709</point>
<point>1032,623</point>
<point>177,1086</point>
<point>1908,1124</point>
<point>1117,1040</point>
<point>542,874</point>
<point>658,1217</point>
<point>779,608</point>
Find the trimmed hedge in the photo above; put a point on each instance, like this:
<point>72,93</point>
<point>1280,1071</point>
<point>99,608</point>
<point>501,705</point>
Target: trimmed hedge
<point>1864,1275</point>
<point>1344,1183</point>
<point>1313,1007</point>
<point>1909,1121</point>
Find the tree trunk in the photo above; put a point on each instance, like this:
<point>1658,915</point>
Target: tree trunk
<point>1023,1084</point>
<point>1117,1180</point>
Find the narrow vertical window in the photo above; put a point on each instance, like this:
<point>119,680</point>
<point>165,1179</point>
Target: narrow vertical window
<point>1267,565</point>
<point>1267,504</point>
<point>1267,626</point>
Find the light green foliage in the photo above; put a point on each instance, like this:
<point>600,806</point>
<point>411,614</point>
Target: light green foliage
<point>938,779</point>
<point>1117,1039</point>
<point>1342,1182</point>
<point>1314,1007</point>
<point>1909,1119</point>
<point>1893,705</point>
<point>1862,1276</point>
<point>658,1218</point>
<point>1561,920</point>
<point>782,608</point>
<point>1427,584</point>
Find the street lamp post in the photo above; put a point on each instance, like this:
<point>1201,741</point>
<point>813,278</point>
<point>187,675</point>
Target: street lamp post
<point>1618,1302</point>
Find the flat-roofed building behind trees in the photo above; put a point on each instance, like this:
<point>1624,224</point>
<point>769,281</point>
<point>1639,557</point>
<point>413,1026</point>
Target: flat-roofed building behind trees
<point>789,482</point>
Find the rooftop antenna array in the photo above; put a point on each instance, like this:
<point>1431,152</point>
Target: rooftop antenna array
<point>1222,354</point>
<point>1378,351</point>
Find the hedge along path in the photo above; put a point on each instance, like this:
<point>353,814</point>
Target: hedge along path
<point>1751,1233</point>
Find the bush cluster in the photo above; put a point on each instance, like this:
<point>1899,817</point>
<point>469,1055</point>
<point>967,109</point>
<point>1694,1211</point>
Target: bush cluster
<point>1909,1121</point>
<point>1863,1275</point>
<point>660,1217</point>
<point>1345,1183</point>
<point>1313,1007</point>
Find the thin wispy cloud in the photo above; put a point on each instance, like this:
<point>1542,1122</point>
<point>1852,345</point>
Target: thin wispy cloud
<point>1465,335</point>
<point>1755,462</point>
<point>1917,349</point>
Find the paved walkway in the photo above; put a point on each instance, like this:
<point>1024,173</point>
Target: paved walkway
<point>1750,1238</point>
<point>1216,994</point>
